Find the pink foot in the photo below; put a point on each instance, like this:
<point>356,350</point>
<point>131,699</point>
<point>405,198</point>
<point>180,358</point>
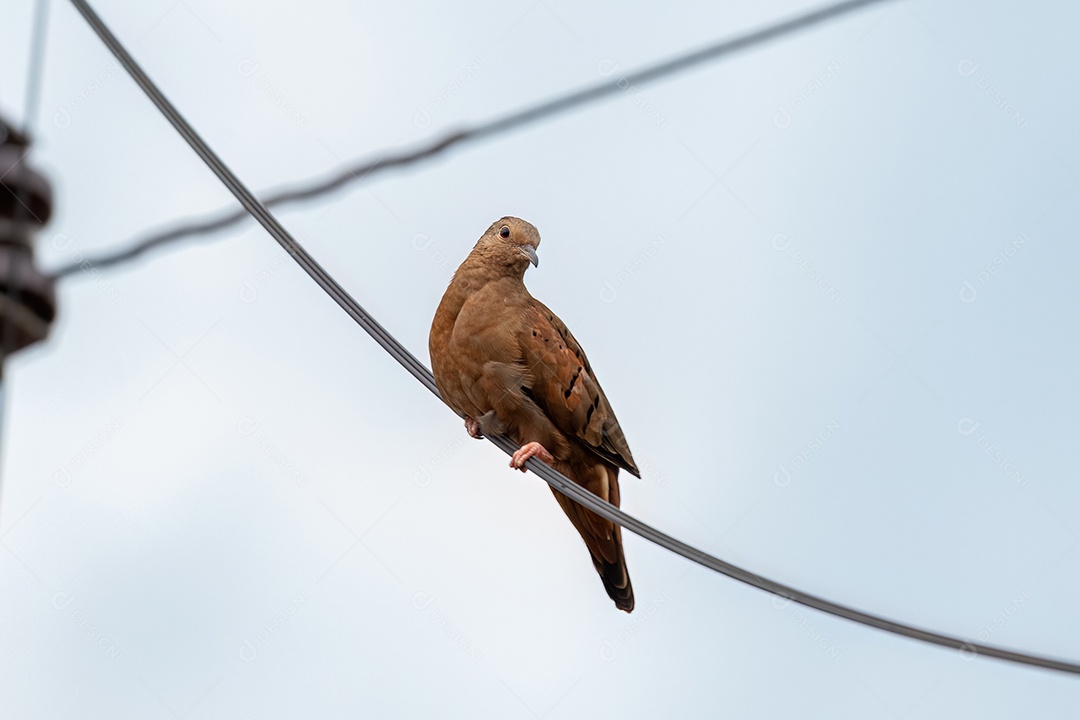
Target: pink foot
<point>533,449</point>
<point>473,428</point>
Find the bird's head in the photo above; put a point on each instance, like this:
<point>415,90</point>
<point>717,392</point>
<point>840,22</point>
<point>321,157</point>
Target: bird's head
<point>511,241</point>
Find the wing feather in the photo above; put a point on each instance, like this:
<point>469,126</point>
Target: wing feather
<point>564,386</point>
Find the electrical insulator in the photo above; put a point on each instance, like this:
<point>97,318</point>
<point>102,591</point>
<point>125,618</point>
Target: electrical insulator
<point>27,296</point>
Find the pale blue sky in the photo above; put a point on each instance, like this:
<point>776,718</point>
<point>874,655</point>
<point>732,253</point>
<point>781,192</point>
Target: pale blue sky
<point>828,286</point>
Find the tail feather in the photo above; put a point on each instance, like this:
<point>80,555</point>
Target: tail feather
<point>616,577</point>
<point>602,537</point>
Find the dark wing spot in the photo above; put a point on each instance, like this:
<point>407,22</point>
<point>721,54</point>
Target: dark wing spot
<point>534,333</point>
<point>588,415</point>
<point>572,381</point>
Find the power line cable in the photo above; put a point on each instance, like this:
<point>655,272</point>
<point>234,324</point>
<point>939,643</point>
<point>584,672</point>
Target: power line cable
<point>497,126</point>
<point>548,474</point>
<point>36,68</point>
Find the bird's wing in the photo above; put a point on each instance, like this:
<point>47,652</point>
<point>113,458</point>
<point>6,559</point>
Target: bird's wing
<point>563,385</point>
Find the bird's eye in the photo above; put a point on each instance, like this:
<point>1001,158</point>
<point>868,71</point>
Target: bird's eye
<point>504,232</point>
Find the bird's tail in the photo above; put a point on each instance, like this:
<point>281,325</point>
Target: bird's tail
<point>615,576</point>
<point>602,537</point>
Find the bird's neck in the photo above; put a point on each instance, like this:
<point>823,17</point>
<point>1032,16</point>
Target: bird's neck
<point>472,276</point>
<point>481,268</point>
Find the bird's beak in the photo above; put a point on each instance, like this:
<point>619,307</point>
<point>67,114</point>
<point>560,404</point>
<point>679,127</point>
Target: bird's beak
<point>530,251</point>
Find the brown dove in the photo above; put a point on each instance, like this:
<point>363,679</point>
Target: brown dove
<point>506,363</point>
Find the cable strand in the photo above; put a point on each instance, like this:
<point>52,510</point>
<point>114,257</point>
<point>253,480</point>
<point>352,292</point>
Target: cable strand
<point>516,119</point>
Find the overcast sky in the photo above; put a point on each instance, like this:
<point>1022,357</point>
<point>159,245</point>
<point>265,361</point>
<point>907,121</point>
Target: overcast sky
<point>828,286</point>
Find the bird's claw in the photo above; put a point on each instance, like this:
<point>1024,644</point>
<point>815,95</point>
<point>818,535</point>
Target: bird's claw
<point>533,449</point>
<point>473,428</point>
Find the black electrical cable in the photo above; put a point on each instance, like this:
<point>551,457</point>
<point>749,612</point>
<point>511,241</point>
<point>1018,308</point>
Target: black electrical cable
<point>511,121</point>
<point>548,474</point>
